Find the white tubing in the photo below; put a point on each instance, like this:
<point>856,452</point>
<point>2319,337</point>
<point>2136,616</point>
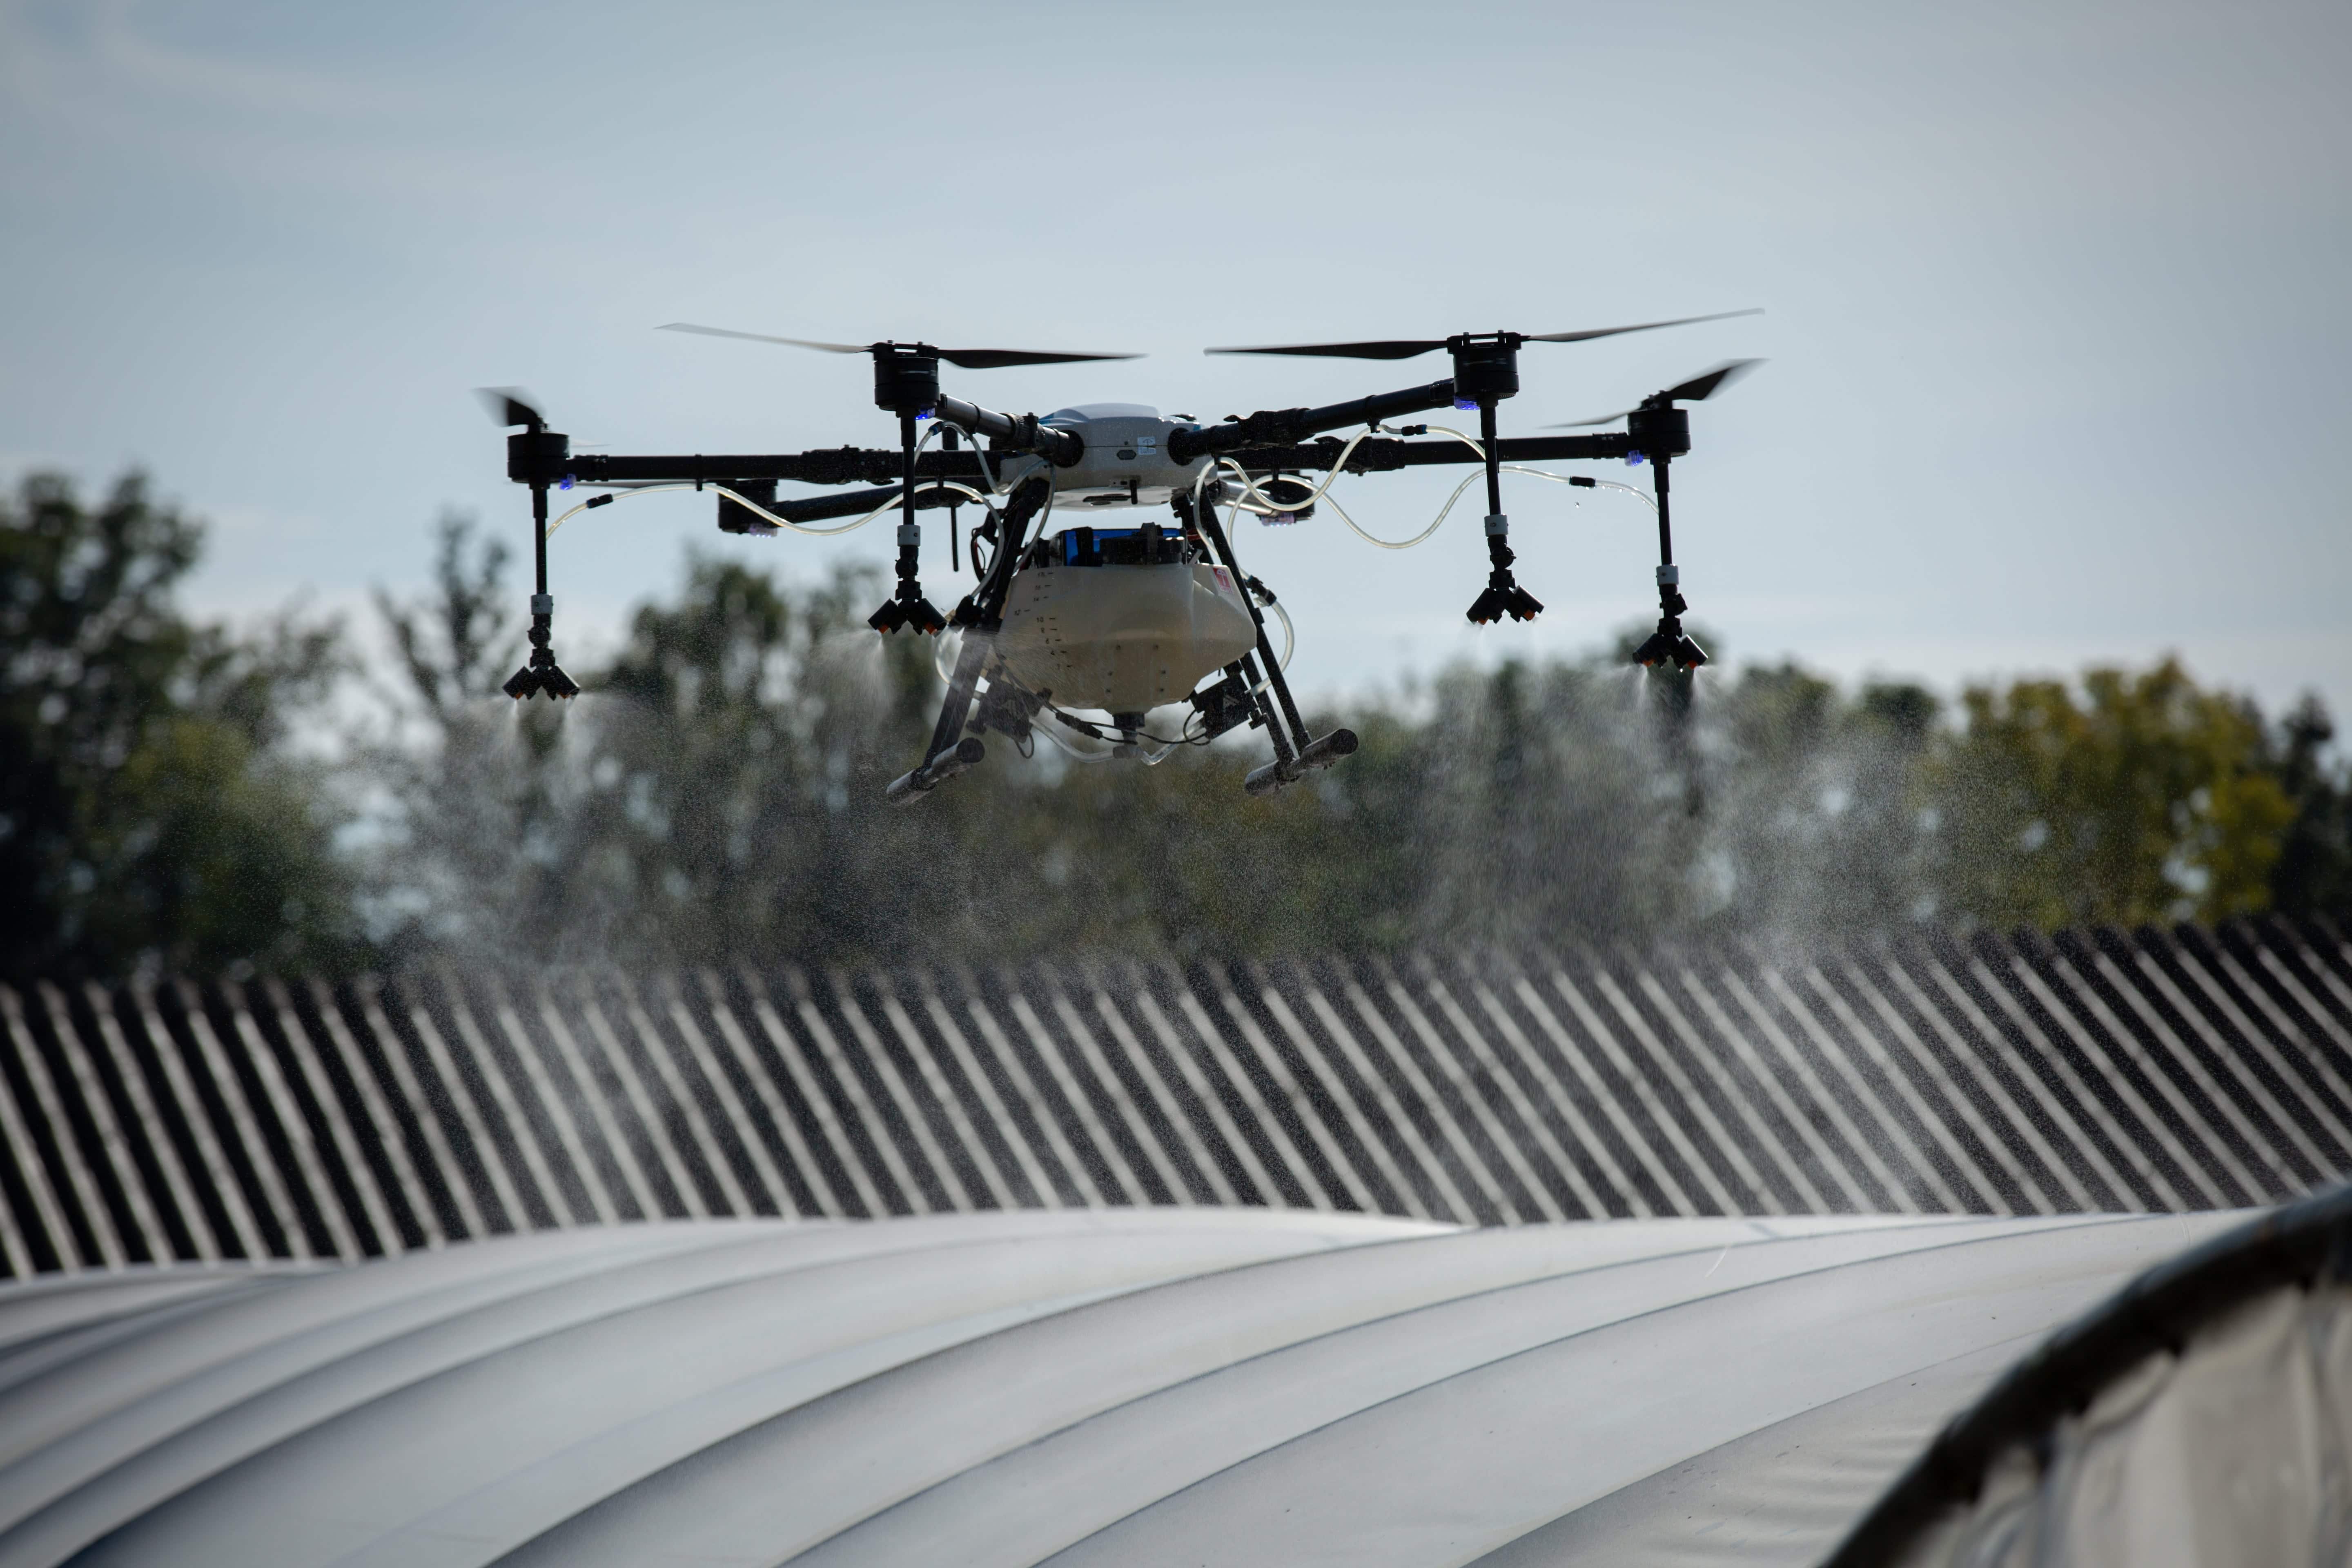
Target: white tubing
<point>1444,513</point>
<point>940,662</point>
<point>1589,485</point>
<point>1054,733</point>
<point>1258,500</point>
<point>1289,631</point>
<point>1266,503</point>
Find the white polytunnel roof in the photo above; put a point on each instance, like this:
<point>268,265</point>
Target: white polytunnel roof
<point>1148,1385</point>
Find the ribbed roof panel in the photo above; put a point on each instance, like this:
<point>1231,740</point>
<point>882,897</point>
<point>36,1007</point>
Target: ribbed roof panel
<point>2101,1071</point>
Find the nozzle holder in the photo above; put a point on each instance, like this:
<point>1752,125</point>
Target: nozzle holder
<point>1502,596</point>
<point>1670,645</point>
<point>910,610</point>
<point>543,676</point>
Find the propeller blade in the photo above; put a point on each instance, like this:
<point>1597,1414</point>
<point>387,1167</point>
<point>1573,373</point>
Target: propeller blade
<point>764,338</point>
<point>1639,327</point>
<point>1406,348</point>
<point>970,359</point>
<point>1392,348</point>
<point>998,359</point>
<point>510,405</point>
<point>1699,388</point>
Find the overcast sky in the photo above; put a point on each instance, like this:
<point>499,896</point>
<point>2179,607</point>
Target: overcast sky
<point>2056,293</point>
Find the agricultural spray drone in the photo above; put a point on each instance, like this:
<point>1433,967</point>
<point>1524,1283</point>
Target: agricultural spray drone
<point>1111,616</point>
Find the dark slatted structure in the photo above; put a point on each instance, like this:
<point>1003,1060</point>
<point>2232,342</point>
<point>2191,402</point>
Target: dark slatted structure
<point>2155,1071</point>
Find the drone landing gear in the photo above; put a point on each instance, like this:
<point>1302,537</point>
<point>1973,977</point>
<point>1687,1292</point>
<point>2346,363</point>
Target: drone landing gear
<point>1283,772</point>
<point>981,615</point>
<point>1297,752</point>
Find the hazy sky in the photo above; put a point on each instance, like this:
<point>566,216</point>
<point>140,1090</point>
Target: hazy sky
<point>2057,292</point>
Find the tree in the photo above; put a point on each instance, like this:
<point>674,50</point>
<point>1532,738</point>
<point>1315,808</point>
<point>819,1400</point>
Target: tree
<point>743,738</point>
<point>1813,824</point>
<point>2313,874</point>
<point>2147,800</point>
<point>483,855</point>
<point>716,795</point>
<point>1546,803</point>
<point>150,809</point>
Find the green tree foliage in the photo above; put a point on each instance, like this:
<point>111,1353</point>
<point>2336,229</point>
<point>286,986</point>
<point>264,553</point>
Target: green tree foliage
<point>2145,800</point>
<point>2313,873</point>
<point>149,811</point>
<point>742,739</point>
<point>716,795</point>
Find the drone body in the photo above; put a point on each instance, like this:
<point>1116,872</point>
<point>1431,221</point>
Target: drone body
<point>1115,611</point>
<point>1124,459</point>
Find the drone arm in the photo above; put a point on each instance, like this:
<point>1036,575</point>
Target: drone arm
<point>831,465</point>
<point>1610,447</point>
<point>1378,406</point>
<point>1255,442</point>
<point>1285,425</point>
<point>1014,432</point>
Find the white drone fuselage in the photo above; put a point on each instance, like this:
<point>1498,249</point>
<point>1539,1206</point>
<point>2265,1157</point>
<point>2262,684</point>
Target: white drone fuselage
<point>1121,636</point>
<point>1126,460</point>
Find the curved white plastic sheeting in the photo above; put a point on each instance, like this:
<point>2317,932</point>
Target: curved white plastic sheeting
<point>1128,1386</point>
<point>2231,1451</point>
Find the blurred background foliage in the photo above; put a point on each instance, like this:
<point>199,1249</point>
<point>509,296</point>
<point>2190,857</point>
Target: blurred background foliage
<point>152,807</point>
<point>184,795</point>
